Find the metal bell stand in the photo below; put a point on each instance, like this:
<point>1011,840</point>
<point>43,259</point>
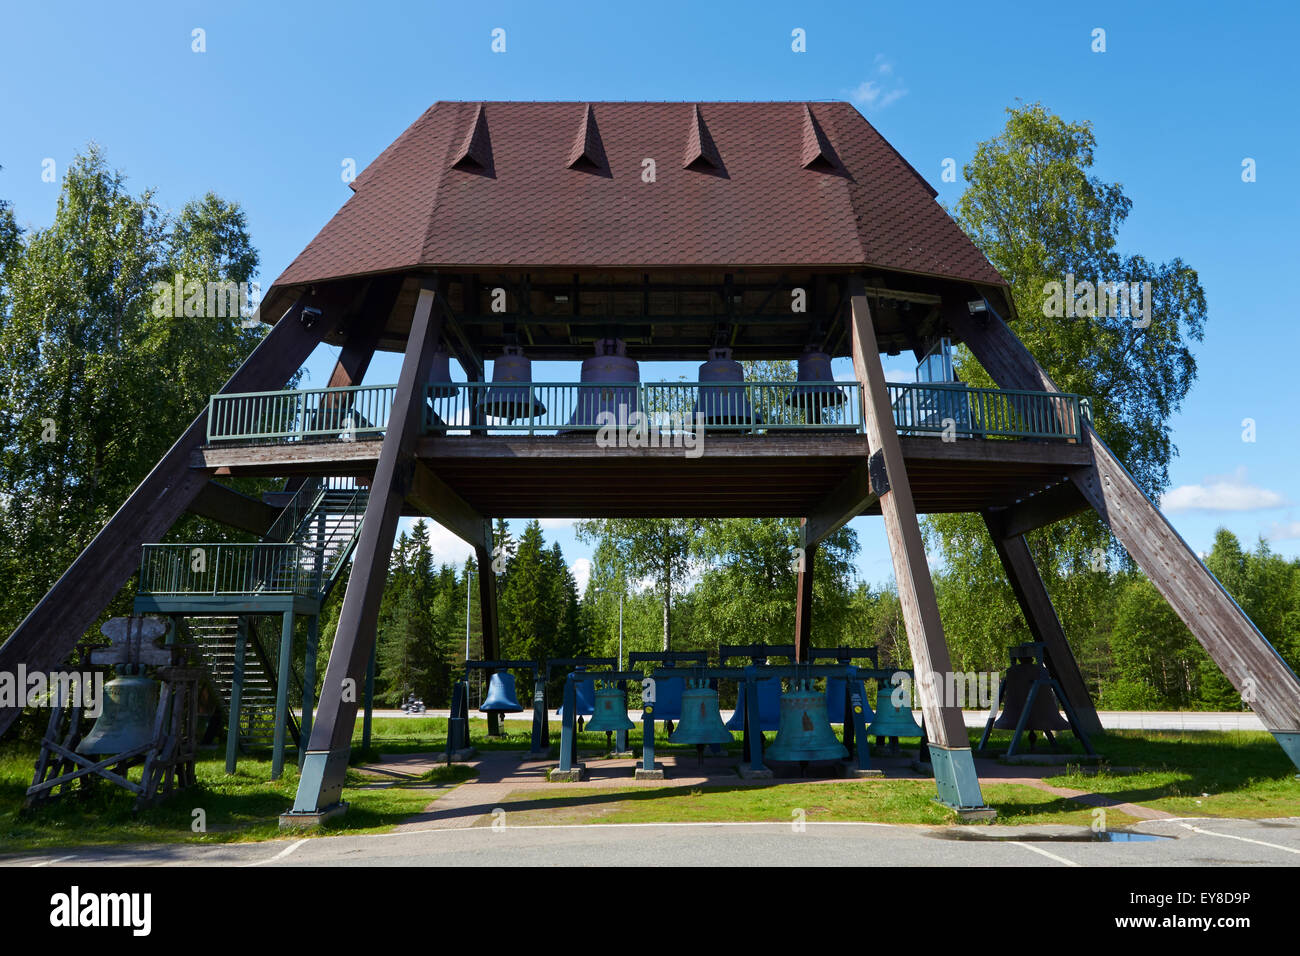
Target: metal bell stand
<point>458,745</point>
<point>1044,684</point>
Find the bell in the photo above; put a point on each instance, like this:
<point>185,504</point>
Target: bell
<point>617,374</point>
<point>893,720</point>
<point>1044,717</point>
<point>508,398</point>
<point>835,701</point>
<point>440,383</point>
<point>805,734</point>
<point>815,367</point>
<point>126,720</point>
<point>501,697</point>
<point>769,707</point>
<point>610,710</point>
<point>701,721</point>
<point>719,404</point>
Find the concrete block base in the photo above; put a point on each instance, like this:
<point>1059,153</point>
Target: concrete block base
<point>574,775</point>
<point>749,773</point>
<point>976,814</point>
<point>458,756</point>
<point>859,772</point>
<point>643,774</point>
<point>298,820</point>
<point>621,755</point>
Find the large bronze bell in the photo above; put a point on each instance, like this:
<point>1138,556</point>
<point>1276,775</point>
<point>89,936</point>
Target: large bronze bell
<point>440,383</point>
<point>805,734</point>
<point>893,719</point>
<point>130,705</point>
<point>509,396</point>
<point>501,696</point>
<point>1044,715</point>
<point>617,395</point>
<point>723,398</point>
<point>815,368</point>
<point>610,710</point>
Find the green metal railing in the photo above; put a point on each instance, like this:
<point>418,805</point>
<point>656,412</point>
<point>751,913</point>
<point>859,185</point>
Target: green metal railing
<point>922,408</point>
<point>354,412</point>
<point>224,569</point>
<point>664,407</point>
<point>548,408</point>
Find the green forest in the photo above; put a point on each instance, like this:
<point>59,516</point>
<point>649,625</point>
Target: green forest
<point>96,387</point>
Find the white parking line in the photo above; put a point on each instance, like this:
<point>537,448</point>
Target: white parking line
<point>1230,836</point>
<point>282,854</point>
<point>58,859</point>
<point>1050,856</point>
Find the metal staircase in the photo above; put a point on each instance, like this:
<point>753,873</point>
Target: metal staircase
<point>301,556</point>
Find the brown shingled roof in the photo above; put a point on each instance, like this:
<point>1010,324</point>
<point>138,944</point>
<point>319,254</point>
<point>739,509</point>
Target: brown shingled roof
<point>490,184</point>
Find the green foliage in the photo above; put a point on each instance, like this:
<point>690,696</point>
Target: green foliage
<point>93,386</point>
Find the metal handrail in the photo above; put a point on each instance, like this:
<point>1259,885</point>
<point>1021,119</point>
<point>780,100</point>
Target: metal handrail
<point>343,414</point>
<point>221,568</point>
<point>970,411</point>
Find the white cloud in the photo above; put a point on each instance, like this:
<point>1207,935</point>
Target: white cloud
<point>1221,493</point>
<point>880,91</point>
<point>1283,531</point>
<point>554,524</point>
<point>581,570</point>
<point>446,547</point>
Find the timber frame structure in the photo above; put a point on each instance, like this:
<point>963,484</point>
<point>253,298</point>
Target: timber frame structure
<point>767,228</point>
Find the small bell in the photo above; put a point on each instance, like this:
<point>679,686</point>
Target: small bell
<point>126,721</point>
<point>610,710</point>
<point>893,720</point>
<point>805,735</point>
<point>815,368</point>
<point>701,722</point>
<point>509,396</point>
<point>723,398</point>
<point>501,697</point>
<point>440,383</point>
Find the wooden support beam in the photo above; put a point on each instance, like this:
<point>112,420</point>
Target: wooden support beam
<point>1037,511</point>
<point>804,599</point>
<point>219,503</point>
<point>852,497</point>
<point>431,495</point>
<point>1231,639</point>
<point>325,766</point>
<point>944,724</point>
<point>49,633</point>
<point>1044,625</point>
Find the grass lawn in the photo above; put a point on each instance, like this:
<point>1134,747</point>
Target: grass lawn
<point>245,806</point>
<point>879,801</point>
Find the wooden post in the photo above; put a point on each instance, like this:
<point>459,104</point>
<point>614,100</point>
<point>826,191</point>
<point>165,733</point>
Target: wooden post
<point>487,596</point>
<point>1231,639</point>
<point>1044,625</point>
<point>49,633</point>
<point>282,694</point>
<point>321,785</point>
<point>236,695</point>
<point>368,719</point>
<point>954,767</point>
<point>804,597</point>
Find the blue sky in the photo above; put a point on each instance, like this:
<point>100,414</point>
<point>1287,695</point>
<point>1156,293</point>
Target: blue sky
<point>285,93</point>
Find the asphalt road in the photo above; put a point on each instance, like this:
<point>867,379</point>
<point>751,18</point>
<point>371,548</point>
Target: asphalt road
<point>1193,842</point>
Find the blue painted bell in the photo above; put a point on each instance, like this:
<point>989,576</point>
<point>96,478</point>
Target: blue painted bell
<point>126,719</point>
<point>501,697</point>
<point>893,719</point>
<point>617,394</point>
<point>815,367</point>
<point>508,398</point>
<point>723,398</point>
<point>440,383</point>
<point>769,706</point>
<point>835,701</point>
<point>585,692</point>
<point>701,720</point>
<point>805,734</point>
<point>610,711</point>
